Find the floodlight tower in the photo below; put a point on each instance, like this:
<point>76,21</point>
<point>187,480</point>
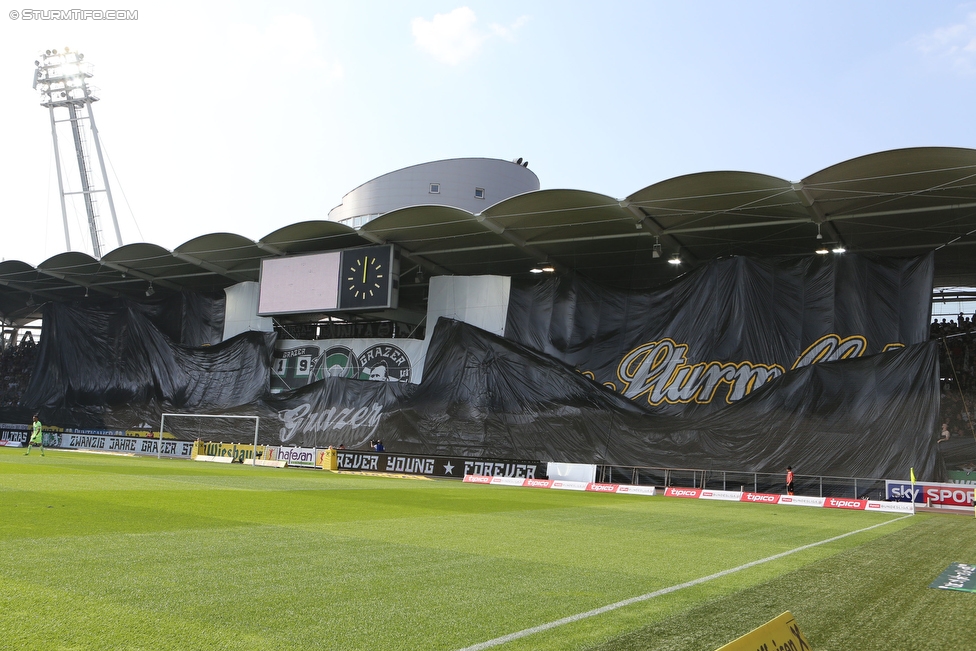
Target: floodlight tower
<point>62,79</point>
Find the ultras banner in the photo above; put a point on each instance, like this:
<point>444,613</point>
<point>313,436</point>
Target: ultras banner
<point>714,336</point>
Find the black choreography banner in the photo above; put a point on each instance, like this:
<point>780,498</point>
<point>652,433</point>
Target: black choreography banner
<point>122,352</point>
<point>726,329</point>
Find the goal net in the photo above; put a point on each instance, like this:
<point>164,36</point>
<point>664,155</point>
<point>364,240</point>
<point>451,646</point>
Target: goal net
<point>211,427</point>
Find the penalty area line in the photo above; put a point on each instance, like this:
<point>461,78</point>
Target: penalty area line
<point>658,593</point>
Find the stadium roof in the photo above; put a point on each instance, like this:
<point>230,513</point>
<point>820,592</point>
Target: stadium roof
<point>903,202</point>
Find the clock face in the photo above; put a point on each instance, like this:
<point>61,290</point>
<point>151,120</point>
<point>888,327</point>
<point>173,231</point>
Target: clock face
<point>364,278</point>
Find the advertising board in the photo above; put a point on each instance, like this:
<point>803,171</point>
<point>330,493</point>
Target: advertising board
<point>936,494</point>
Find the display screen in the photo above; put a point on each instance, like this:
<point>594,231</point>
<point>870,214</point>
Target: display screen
<point>301,283</point>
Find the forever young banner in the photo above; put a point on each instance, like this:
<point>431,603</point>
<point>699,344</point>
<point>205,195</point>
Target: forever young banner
<point>436,466</point>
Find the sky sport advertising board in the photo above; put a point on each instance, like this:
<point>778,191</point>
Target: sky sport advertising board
<point>929,492</point>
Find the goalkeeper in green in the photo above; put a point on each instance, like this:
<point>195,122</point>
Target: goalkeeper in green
<point>37,436</point>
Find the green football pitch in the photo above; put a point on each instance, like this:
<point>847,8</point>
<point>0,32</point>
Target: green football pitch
<point>107,552</point>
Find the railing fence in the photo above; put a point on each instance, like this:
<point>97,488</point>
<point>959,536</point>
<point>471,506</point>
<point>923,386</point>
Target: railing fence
<point>757,482</point>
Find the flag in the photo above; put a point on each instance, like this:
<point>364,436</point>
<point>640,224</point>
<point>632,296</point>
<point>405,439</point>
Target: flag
<point>911,473</point>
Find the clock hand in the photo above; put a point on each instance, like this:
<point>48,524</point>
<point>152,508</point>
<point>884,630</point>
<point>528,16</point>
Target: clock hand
<point>364,268</point>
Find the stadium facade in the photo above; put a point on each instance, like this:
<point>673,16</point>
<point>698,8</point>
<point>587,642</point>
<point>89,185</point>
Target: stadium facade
<point>754,352</point>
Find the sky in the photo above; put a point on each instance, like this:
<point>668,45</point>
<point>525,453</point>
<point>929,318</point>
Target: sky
<point>245,117</point>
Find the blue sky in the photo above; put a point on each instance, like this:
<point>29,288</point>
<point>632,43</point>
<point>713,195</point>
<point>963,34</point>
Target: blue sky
<point>245,117</point>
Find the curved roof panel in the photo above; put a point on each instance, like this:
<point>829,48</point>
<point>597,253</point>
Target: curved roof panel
<point>429,229</point>
<point>311,236</point>
<point>904,201</point>
<point>234,257</point>
<point>716,199</point>
<point>546,215</point>
<point>80,273</point>
<point>140,264</point>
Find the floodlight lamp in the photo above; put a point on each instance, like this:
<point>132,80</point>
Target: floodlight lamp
<point>535,270</point>
<point>675,259</point>
<point>549,269</point>
<point>150,291</point>
<point>839,249</point>
<point>30,299</point>
<point>822,250</point>
<point>819,234</point>
<point>656,249</point>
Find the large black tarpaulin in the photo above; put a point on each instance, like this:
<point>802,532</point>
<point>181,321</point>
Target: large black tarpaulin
<point>117,353</point>
<point>712,336</point>
<point>487,396</point>
<point>335,411</point>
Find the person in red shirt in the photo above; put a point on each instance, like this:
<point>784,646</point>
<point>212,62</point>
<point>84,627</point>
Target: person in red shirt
<point>789,480</point>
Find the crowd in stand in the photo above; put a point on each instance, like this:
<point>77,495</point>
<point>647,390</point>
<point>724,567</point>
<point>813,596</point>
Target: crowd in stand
<point>16,365</point>
<point>957,361</point>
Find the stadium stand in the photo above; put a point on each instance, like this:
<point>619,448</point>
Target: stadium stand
<point>957,361</point>
<point>16,365</point>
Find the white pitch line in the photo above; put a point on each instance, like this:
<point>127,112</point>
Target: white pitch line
<point>657,593</point>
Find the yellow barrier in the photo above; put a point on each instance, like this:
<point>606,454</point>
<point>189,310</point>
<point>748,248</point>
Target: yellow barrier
<point>780,634</point>
<point>327,459</point>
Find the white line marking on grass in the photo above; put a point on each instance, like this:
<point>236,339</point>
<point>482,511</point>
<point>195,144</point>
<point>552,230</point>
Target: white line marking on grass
<point>658,593</point>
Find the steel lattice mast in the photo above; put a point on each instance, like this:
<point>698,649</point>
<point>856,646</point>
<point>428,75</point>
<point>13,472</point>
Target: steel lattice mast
<point>62,79</point>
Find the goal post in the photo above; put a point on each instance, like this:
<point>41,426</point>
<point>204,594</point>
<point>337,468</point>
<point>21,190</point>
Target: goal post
<point>171,416</point>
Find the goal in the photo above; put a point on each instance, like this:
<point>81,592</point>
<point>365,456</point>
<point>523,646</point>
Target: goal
<point>172,417</point>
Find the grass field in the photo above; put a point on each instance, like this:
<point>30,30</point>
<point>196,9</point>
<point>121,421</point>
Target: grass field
<point>130,553</point>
